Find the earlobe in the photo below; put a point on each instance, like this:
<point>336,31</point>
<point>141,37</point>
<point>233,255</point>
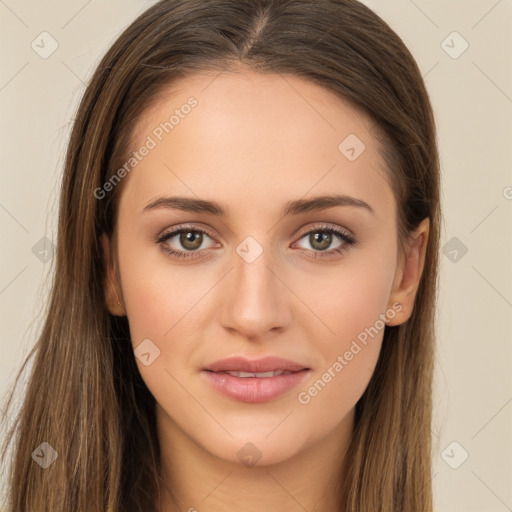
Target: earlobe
<point>110,283</point>
<point>409,272</point>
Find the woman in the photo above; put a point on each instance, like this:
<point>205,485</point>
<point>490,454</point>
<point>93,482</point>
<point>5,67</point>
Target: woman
<point>243,304</point>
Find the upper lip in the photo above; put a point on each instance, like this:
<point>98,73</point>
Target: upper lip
<point>265,364</point>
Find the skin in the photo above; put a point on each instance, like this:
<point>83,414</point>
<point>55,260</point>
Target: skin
<point>253,143</point>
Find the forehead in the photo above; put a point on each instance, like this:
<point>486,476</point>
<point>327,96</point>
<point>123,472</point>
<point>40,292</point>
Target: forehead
<point>272,135</point>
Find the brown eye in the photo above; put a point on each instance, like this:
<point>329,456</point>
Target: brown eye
<point>191,240</point>
<point>320,240</point>
<point>186,242</point>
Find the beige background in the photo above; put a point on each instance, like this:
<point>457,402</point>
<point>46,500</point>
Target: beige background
<point>472,98</point>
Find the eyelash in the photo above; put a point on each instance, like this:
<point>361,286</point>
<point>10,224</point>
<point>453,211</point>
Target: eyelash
<point>347,240</point>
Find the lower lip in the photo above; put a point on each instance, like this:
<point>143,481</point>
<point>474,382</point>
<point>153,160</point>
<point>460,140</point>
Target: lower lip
<point>254,389</point>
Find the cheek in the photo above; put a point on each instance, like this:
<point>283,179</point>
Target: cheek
<point>351,297</point>
<point>162,303</point>
<point>352,304</point>
<point>159,296</point>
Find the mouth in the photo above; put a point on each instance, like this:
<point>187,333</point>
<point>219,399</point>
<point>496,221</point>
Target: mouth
<point>258,375</point>
<point>255,381</point>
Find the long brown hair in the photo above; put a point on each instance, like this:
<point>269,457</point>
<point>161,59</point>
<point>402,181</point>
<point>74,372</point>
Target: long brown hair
<point>85,396</point>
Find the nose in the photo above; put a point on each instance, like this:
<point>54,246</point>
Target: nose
<point>255,297</point>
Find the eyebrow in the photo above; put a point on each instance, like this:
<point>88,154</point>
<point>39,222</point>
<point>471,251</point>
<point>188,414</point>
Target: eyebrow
<point>189,204</point>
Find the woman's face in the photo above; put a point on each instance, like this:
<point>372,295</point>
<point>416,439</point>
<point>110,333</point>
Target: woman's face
<point>235,162</point>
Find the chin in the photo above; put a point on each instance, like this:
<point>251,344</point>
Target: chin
<point>256,451</point>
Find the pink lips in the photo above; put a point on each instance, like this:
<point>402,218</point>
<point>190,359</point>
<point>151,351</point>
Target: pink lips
<point>246,388</point>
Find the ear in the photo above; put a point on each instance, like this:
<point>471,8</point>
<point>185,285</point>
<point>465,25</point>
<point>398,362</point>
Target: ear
<point>111,286</point>
<point>408,273</point>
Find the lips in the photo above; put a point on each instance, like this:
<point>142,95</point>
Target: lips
<point>258,375</point>
<point>266,364</point>
<point>254,381</point>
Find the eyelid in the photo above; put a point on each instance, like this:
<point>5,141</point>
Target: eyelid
<point>201,227</point>
<point>326,226</point>
<point>342,233</point>
<point>184,227</point>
